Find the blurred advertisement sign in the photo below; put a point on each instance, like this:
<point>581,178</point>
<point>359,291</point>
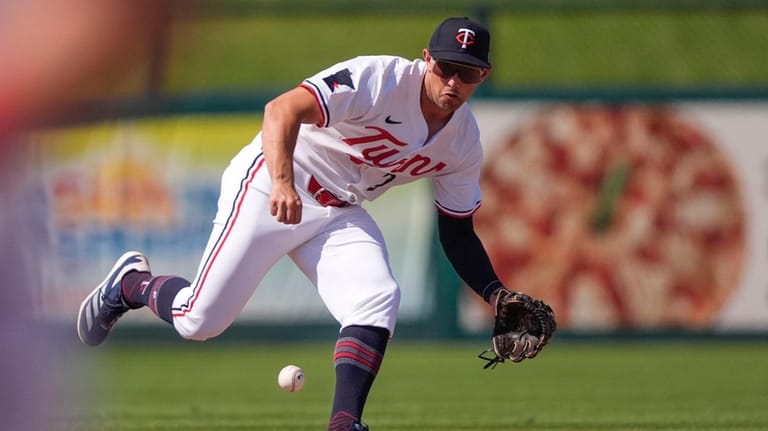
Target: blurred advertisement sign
<point>153,185</point>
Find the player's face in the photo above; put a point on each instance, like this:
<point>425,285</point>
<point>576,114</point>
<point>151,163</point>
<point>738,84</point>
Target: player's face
<point>448,85</point>
<point>448,69</point>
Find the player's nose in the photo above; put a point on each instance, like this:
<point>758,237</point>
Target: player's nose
<point>452,80</point>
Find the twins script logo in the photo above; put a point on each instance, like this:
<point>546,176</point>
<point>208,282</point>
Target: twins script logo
<point>376,152</point>
<point>465,37</point>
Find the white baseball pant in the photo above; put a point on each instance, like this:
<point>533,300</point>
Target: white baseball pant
<point>341,250</point>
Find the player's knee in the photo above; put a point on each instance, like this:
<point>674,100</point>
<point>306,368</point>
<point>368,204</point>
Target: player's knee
<point>378,309</point>
<point>198,328</point>
<point>386,298</point>
<point>393,293</point>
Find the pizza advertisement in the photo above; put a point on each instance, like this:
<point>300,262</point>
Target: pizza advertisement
<point>628,216</point>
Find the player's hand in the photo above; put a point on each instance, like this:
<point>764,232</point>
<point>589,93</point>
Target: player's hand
<point>285,203</point>
<point>522,327</point>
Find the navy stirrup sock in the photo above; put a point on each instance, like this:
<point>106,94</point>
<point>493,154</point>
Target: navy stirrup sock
<point>140,289</point>
<point>357,358</point>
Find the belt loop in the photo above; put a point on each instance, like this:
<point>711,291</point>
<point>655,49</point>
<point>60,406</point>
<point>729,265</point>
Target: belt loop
<point>314,187</point>
<point>323,196</point>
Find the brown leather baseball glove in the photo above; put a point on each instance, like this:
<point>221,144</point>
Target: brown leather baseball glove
<point>522,327</point>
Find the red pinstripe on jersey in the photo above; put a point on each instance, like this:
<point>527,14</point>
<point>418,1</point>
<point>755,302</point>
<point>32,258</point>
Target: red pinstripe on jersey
<point>456,214</point>
<point>320,103</point>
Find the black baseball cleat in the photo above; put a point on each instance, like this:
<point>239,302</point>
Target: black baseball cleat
<point>358,426</point>
<point>102,307</point>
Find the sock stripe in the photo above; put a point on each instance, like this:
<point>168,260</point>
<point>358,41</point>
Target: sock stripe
<point>350,351</point>
<point>346,345</point>
<point>154,285</point>
<point>350,359</point>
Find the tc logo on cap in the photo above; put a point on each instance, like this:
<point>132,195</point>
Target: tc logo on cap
<point>461,40</point>
<point>465,37</point>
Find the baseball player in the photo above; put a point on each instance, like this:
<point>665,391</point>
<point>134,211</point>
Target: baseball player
<point>343,136</point>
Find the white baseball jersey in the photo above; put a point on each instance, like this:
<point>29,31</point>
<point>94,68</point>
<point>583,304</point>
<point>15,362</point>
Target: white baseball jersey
<point>373,136</point>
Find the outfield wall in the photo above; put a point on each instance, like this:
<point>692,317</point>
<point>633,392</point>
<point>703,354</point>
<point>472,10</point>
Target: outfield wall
<point>625,216</point>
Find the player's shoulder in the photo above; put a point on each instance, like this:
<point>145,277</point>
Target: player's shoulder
<point>383,71</point>
<point>383,62</point>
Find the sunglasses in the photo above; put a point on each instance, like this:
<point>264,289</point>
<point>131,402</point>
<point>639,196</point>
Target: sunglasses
<point>467,74</point>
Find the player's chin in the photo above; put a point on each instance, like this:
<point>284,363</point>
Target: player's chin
<point>450,101</point>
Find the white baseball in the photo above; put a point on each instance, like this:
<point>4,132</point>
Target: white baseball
<point>291,378</point>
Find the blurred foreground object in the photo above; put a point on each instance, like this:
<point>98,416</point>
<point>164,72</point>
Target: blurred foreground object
<point>56,53</point>
<point>53,55</point>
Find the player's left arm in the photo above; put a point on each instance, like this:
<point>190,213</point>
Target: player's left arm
<point>467,254</point>
<point>522,325</point>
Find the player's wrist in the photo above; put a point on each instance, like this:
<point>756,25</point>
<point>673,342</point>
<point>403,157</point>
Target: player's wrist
<point>493,298</point>
<point>283,185</point>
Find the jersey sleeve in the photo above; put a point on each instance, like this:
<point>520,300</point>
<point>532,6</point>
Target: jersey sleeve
<point>457,194</point>
<point>345,90</point>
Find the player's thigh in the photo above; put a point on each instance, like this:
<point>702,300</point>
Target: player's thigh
<point>349,264</point>
<point>246,241</point>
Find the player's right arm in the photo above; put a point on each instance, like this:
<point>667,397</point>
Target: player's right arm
<point>282,118</point>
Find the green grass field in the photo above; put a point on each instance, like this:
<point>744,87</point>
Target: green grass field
<point>571,386</point>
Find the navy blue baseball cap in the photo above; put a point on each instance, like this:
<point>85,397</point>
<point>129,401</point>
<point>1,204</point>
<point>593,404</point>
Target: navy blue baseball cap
<point>461,40</point>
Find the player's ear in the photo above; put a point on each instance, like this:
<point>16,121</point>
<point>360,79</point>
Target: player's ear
<point>486,72</point>
<point>425,53</point>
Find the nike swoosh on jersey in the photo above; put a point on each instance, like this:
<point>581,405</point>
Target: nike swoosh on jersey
<point>389,120</point>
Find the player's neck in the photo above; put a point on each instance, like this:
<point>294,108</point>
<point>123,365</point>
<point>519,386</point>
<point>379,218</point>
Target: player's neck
<point>435,117</point>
